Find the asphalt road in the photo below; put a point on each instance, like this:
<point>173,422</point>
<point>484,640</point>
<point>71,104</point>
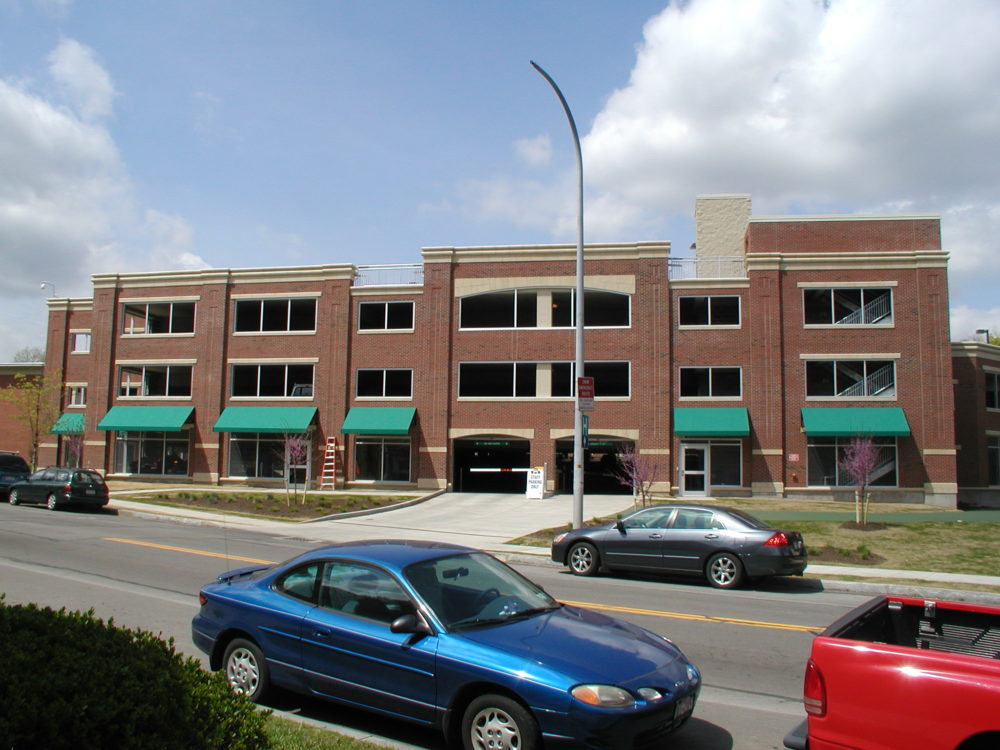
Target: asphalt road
<point>751,645</point>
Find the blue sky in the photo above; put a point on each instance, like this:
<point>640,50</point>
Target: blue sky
<point>139,135</point>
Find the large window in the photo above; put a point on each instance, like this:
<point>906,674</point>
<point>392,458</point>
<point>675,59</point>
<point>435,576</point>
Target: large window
<point>851,378</point>
<point>278,315</point>
<point>81,343</point>
<point>385,316</point>
<point>377,383</point>
<point>826,454</point>
<point>143,381</point>
<point>256,455</point>
<point>381,459</point>
<point>141,318</point>
<point>993,390</point>
<point>722,310</point>
<point>76,395</point>
<point>543,308</point>
<point>711,382</point>
<point>272,381</point>
<point>528,379</point>
<point>857,307</point>
<point>163,453</point>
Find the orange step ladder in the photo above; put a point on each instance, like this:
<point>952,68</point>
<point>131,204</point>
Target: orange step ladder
<point>329,475</point>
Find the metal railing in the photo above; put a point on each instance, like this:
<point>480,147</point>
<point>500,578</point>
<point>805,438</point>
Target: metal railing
<point>879,309</point>
<point>878,383</point>
<point>391,274</point>
<point>722,267</point>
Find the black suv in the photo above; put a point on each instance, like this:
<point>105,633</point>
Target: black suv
<point>13,468</point>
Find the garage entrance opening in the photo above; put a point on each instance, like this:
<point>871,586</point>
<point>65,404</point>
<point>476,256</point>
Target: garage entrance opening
<point>600,469</point>
<point>491,464</point>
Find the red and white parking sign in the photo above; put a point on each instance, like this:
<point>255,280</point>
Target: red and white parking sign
<point>585,393</point>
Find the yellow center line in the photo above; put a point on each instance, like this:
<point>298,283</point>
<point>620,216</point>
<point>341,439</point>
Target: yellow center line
<point>698,618</point>
<point>589,605</point>
<point>189,551</point>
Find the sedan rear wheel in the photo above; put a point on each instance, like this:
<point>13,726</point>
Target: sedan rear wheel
<point>12,497</point>
<point>725,571</point>
<point>246,670</point>
<point>584,560</point>
<point>51,503</point>
<point>496,722</point>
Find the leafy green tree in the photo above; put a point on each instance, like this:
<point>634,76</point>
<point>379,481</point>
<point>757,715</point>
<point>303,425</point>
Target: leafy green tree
<point>36,405</point>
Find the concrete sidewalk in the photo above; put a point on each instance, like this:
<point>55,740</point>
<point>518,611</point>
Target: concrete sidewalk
<point>489,521</point>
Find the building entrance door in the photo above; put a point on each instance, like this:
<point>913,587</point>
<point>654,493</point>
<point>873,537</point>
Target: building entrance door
<point>694,470</point>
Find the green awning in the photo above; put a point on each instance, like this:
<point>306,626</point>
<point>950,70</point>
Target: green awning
<point>378,420</point>
<point>145,418</point>
<point>283,419</point>
<point>711,422</point>
<point>867,421</point>
<point>68,423</point>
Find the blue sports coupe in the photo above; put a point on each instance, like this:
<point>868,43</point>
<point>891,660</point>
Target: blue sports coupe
<point>449,637</point>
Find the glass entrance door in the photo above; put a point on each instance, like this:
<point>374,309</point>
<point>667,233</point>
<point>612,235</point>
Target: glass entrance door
<point>694,470</point>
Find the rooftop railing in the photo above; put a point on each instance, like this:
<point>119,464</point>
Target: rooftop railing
<point>722,267</point>
<point>389,275</point>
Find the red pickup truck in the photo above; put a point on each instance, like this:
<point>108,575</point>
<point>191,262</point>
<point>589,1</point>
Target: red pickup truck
<point>904,674</point>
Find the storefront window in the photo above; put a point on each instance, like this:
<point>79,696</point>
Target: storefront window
<point>382,459</point>
<point>164,453</point>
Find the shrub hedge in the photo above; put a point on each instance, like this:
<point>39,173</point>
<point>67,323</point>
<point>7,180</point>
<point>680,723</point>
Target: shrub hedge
<point>70,680</point>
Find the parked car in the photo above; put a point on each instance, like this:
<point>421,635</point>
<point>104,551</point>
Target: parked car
<point>725,545</point>
<point>444,636</point>
<point>13,468</point>
<point>60,486</point>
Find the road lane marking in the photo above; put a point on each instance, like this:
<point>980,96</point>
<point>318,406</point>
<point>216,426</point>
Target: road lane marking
<point>588,605</point>
<point>189,551</point>
<point>698,618</point>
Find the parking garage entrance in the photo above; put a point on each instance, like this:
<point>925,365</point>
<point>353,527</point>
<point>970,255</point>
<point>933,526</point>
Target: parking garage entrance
<point>601,469</point>
<point>491,464</point>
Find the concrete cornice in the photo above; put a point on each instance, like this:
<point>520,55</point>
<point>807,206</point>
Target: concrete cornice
<point>843,217</point>
<point>76,304</point>
<point>523,253</point>
<point>905,259</point>
<point>330,272</point>
<point>976,350</point>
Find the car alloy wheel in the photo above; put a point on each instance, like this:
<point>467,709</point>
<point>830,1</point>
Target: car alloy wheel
<point>12,497</point>
<point>51,503</point>
<point>724,571</point>
<point>246,670</point>
<point>583,559</point>
<point>496,722</point>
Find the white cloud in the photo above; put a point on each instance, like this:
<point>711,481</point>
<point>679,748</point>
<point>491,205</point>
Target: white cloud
<point>535,151</point>
<point>965,321</point>
<point>67,208</point>
<point>86,84</point>
<point>853,106</point>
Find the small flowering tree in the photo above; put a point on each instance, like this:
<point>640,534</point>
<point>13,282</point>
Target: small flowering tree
<point>296,450</point>
<point>858,462</point>
<point>638,473</point>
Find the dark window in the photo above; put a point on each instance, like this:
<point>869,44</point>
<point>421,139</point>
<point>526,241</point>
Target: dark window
<point>157,318</point>
<point>847,306</point>
<point>610,379</point>
<point>382,459</point>
<point>385,383</point>
<point>851,378</point>
<point>384,316</point>
<point>605,309</point>
<point>155,380</point>
<point>826,454</point>
<point>725,460</point>
<point>710,382</point>
<point>562,309</point>
<point>992,390</point>
<point>710,311</point>
<point>518,308</point>
<point>255,315</point>
<point>274,381</point>
<point>496,379</point>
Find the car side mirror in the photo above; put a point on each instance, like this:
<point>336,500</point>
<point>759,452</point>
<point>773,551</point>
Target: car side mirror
<point>620,526</point>
<point>409,623</point>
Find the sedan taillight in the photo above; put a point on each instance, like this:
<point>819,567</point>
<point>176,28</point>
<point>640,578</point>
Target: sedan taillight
<point>814,691</point>
<point>778,540</point>
<point>68,488</point>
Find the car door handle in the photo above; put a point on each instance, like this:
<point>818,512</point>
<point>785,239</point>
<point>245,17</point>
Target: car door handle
<point>711,536</point>
<point>321,633</point>
<point>656,536</point>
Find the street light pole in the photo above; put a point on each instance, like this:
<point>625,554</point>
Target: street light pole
<point>578,457</point>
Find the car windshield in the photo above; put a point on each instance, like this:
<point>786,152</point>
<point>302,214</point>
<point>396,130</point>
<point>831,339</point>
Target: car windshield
<point>475,589</point>
<point>12,463</point>
<point>88,478</point>
<point>752,521</point>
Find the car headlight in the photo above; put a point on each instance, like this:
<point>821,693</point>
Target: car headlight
<point>692,674</point>
<point>559,537</point>
<point>605,696</point>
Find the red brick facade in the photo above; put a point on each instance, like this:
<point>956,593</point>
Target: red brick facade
<point>783,261</point>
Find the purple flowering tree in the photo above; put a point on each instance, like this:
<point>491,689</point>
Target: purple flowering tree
<point>858,461</point>
<point>638,473</point>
